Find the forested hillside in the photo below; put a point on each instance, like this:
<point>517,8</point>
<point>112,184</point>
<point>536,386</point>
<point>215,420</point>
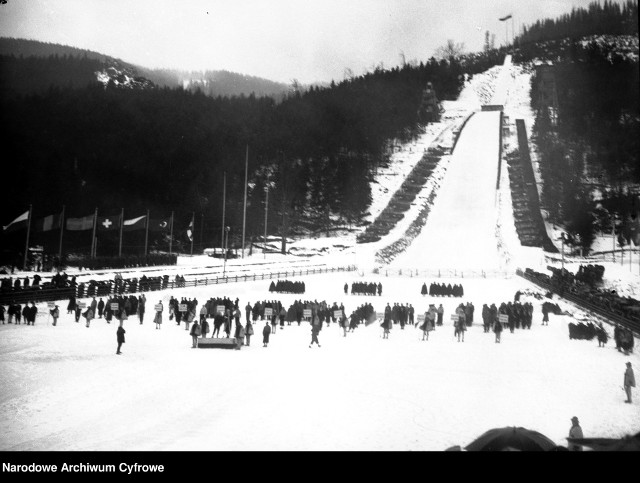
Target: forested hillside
<point>168,149</point>
<point>587,130</point>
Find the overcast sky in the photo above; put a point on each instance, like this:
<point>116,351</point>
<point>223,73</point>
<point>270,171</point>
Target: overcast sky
<point>307,40</point>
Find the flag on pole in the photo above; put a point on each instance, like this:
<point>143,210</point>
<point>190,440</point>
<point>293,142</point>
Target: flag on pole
<point>190,231</point>
<point>108,223</point>
<point>159,224</point>
<point>138,223</point>
<point>18,223</point>
<point>505,18</point>
<point>78,224</point>
<point>48,223</point>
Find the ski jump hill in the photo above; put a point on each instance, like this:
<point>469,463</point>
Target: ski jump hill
<point>460,230</point>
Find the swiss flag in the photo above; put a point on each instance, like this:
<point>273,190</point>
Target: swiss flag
<point>108,223</point>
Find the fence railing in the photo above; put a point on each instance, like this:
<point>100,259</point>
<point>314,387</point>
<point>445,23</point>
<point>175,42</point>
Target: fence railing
<point>442,273</point>
<point>616,317</point>
<point>35,294</point>
<point>128,286</point>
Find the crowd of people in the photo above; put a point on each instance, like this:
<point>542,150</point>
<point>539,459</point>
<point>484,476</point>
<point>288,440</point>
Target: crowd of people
<point>16,313</point>
<point>61,284</point>
<point>442,290</point>
<point>624,339</point>
<point>400,314</point>
<point>127,306</point>
<point>566,283</point>
<point>225,312</point>
<point>287,286</point>
<point>364,288</point>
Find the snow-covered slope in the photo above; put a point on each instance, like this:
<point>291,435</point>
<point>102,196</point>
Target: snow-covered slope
<point>460,229</point>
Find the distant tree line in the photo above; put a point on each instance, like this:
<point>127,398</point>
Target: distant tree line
<point>608,18</point>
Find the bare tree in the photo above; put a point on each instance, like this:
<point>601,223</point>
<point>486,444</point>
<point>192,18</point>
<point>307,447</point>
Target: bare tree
<point>450,49</point>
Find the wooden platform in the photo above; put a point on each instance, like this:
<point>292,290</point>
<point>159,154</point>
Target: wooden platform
<point>217,343</point>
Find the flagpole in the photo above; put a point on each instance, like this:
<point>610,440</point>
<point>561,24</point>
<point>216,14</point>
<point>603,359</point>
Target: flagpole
<point>93,240</point>
<point>613,236</point>
<point>193,229</point>
<point>506,34</point>
<point>121,224</point>
<point>61,232</point>
<point>201,229</point>
<point>26,245</point>
<point>244,213</point>
<point>146,234</point>
<point>171,234</point>
<point>224,199</point>
<point>266,210</point>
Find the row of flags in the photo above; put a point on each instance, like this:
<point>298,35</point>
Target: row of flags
<point>102,223</point>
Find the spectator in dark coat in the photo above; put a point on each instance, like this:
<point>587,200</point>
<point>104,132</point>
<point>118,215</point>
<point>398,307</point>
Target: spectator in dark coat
<point>265,334</point>
<point>55,313</point>
<point>25,313</point>
<point>120,337</point>
<point>497,328</point>
<point>195,333</point>
<point>100,307</point>
<point>17,311</point>
<point>316,327</point>
<point>31,314</point>
<point>72,304</point>
<point>629,382</point>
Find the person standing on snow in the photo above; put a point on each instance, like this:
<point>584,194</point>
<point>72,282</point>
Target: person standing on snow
<point>100,307</point>
<point>497,328</point>
<point>629,382</point>
<point>247,310</point>
<point>195,333</point>
<point>248,332</point>
<point>120,337</point>
<point>55,313</point>
<point>240,334</point>
<point>88,315</point>
<point>265,333</point>
<point>386,326</point>
<point>158,317</point>
<point>94,306</point>
<point>315,330</point>
<point>142,300</point>
<point>575,432</point>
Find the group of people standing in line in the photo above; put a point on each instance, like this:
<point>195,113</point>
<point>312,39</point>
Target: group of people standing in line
<point>16,313</point>
<point>118,307</point>
<point>287,286</point>
<point>363,288</point>
<point>442,290</point>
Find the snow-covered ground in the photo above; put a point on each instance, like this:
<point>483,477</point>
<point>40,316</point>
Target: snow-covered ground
<point>65,389</point>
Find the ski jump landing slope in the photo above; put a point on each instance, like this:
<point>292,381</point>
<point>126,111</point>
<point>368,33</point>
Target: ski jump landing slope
<point>460,229</point>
